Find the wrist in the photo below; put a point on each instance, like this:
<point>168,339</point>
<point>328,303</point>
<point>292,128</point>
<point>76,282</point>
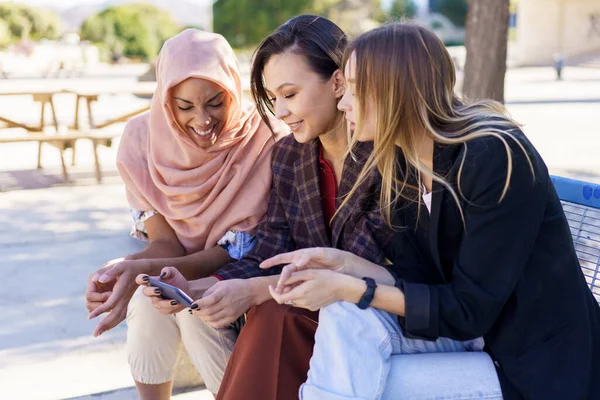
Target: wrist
<point>352,289</point>
<point>146,266</point>
<point>351,265</point>
<point>199,286</point>
<point>259,289</point>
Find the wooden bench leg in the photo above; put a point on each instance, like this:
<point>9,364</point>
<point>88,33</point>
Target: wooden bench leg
<point>61,149</point>
<point>97,161</point>
<point>54,119</point>
<point>76,123</point>
<point>73,160</point>
<point>43,104</point>
<point>39,158</point>
<point>89,110</point>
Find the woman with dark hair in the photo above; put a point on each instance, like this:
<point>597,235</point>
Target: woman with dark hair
<point>482,253</point>
<point>296,76</point>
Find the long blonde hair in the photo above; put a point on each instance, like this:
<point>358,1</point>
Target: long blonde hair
<point>408,73</point>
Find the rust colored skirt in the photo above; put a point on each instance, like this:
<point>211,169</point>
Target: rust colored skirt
<point>271,355</point>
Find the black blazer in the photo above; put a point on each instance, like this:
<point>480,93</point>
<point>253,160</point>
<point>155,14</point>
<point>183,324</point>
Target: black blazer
<point>512,276</point>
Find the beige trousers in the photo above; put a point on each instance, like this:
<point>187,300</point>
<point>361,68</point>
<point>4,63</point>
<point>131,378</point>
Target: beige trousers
<point>154,342</point>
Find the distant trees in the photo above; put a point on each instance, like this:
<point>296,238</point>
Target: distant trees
<point>244,23</point>
<point>247,22</point>
<point>455,10</point>
<point>402,8</point>
<point>18,21</point>
<point>133,30</point>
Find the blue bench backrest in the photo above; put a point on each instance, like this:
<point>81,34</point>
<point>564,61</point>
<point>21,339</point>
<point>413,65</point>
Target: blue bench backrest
<point>581,203</point>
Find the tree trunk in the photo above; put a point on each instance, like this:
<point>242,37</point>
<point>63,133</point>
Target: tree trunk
<point>486,42</point>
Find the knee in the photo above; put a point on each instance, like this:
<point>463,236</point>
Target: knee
<point>343,317</point>
<point>271,311</point>
<point>139,303</point>
<point>341,310</point>
<point>141,314</point>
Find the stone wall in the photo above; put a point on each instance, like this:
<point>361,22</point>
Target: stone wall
<point>549,27</point>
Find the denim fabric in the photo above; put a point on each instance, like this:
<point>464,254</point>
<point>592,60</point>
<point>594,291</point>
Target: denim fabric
<point>237,244</point>
<point>362,354</point>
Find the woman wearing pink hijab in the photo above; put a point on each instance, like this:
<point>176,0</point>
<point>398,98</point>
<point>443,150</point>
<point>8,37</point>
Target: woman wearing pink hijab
<point>197,173</point>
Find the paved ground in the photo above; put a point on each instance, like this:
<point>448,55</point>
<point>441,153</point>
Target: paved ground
<point>50,241</point>
<point>52,237</point>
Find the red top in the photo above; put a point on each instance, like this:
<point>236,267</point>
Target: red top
<point>328,186</point>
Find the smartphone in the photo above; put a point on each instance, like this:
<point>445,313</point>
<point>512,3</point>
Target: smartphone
<point>171,292</point>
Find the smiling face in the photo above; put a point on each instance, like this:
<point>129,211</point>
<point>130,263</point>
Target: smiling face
<point>200,109</point>
<point>300,97</point>
<point>349,104</point>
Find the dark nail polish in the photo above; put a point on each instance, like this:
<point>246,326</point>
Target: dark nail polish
<point>190,311</point>
<point>145,278</point>
<point>194,306</point>
<point>173,303</point>
<point>163,275</point>
<point>157,291</point>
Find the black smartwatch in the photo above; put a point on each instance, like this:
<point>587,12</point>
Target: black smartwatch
<point>367,297</point>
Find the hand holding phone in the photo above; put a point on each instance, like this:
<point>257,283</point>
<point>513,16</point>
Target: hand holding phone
<point>171,292</point>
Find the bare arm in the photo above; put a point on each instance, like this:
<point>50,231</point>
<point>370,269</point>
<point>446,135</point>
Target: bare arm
<point>192,266</point>
<point>387,298</point>
<point>165,250</point>
<point>110,288</point>
<point>163,241</point>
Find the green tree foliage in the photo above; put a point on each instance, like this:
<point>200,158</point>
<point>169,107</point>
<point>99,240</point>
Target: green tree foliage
<point>5,34</point>
<point>135,30</point>
<point>247,22</point>
<point>402,8</point>
<point>18,21</point>
<point>455,10</point>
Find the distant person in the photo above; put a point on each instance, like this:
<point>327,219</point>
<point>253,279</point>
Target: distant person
<point>197,170</point>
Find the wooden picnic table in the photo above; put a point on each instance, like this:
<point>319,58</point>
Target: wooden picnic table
<point>65,141</point>
<point>62,141</point>
<point>43,97</point>
<point>89,96</point>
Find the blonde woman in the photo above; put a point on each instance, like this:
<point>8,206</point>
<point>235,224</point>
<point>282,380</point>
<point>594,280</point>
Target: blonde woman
<point>482,252</point>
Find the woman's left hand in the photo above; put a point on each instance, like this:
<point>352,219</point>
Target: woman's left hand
<point>316,288</point>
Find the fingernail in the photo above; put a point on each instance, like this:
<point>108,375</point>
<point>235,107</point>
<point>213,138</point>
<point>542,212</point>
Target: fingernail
<point>173,303</point>
<point>145,278</point>
<point>194,306</point>
<point>163,274</point>
<point>103,279</point>
<point>190,311</point>
<point>157,291</point>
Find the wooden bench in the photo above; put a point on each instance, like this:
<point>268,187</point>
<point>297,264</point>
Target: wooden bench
<point>63,142</point>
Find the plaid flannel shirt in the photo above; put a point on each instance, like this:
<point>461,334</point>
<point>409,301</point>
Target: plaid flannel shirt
<point>295,216</point>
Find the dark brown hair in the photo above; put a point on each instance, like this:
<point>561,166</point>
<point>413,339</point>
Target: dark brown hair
<point>318,39</point>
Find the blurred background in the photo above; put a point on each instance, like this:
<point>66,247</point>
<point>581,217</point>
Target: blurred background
<point>73,72</point>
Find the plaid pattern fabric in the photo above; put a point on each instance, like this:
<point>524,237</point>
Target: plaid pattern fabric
<point>295,216</point>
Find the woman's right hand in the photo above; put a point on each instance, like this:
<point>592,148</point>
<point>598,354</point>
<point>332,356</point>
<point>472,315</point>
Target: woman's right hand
<point>315,258</point>
<point>170,276</point>
<point>109,290</point>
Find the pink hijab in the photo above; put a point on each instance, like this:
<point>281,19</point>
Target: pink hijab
<point>202,193</point>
